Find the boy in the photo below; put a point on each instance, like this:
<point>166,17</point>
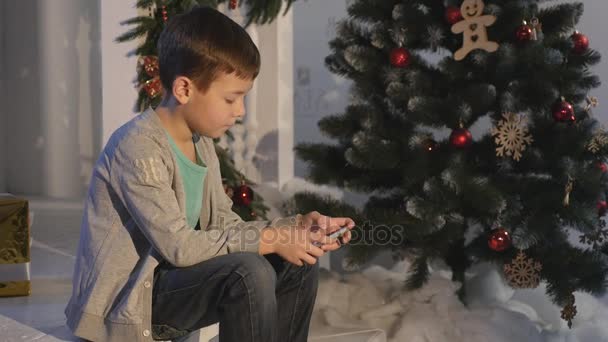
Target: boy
<point>161,253</point>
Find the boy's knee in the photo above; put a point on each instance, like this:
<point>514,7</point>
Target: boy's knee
<point>256,271</point>
<point>308,273</point>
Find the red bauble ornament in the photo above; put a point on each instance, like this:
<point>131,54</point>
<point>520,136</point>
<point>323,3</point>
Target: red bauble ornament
<point>602,208</point>
<point>563,111</point>
<point>499,240</point>
<point>233,4</point>
<point>461,138</point>
<point>243,195</point>
<point>581,43</point>
<point>400,57</point>
<point>602,166</point>
<point>524,33</point>
<point>453,14</point>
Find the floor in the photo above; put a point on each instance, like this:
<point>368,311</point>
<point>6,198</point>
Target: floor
<point>39,317</point>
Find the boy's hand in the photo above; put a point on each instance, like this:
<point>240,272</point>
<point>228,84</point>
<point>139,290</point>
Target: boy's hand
<point>292,243</point>
<point>322,225</point>
<point>296,243</point>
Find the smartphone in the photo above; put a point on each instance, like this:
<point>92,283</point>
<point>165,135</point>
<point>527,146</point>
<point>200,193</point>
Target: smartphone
<point>333,235</point>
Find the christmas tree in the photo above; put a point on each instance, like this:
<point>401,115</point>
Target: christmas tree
<point>247,204</point>
<point>471,130</point>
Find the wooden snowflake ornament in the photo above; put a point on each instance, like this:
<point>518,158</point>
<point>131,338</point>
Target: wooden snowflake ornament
<point>523,272</point>
<point>511,135</point>
<point>598,141</point>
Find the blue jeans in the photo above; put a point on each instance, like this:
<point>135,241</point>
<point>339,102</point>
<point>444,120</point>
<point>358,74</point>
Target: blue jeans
<point>255,298</point>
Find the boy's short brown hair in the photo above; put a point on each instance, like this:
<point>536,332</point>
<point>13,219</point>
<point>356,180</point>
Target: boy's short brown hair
<point>202,43</point>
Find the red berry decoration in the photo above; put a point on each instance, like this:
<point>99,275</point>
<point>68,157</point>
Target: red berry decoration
<point>150,65</point>
<point>400,57</point>
<point>602,208</point>
<point>243,195</point>
<point>233,4</point>
<point>581,43</point>
<point>524,33</point>
<point>461,138</point>
<point>153,87</point>
<point>164,13</point>
<point>563,111</point>
<point>453,14</point>
<point>499,240</point>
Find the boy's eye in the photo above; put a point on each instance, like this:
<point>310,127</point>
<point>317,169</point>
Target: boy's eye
<point>230,101</point>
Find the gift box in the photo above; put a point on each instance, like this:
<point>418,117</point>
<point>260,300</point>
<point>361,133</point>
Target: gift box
<point>14,246</point>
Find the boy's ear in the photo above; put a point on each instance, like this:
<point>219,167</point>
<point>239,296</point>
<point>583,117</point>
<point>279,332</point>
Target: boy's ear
<point>183,89</point>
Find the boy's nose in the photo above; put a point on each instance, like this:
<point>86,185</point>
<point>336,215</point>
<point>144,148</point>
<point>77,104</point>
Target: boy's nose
<point>240,112</point>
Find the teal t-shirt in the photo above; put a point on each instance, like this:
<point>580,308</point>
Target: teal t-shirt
<point>193,178</point>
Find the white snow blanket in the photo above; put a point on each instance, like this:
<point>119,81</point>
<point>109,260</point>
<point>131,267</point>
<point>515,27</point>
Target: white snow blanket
<point>373,298</point>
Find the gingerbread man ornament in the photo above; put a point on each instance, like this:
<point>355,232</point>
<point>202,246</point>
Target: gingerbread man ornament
<point>473,27</point>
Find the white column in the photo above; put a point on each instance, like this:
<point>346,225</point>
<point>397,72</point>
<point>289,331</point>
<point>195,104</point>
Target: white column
<point>251,121</point>
<point>238,131</point>
<point>245,142</point>
<point>275,101</point>
<point>285,97</point>
<point>59,95</point>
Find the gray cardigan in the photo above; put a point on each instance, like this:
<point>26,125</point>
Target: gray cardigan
<point>135,217</point>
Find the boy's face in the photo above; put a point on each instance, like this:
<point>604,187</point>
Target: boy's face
<point>213,112</point>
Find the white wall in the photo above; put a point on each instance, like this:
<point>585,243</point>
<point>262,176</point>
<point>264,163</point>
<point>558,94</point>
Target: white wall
<point>21,98</point>
<point>317,92</point>
<point>118,70</point>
